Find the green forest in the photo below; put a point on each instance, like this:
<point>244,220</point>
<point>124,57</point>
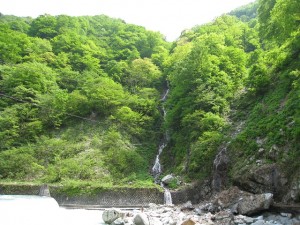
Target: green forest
<point>81,97</point>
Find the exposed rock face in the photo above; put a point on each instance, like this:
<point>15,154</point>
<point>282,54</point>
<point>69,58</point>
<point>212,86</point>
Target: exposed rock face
<point>292,194</point>
<point>261,179</point>
<point>242,202</point>
<point>221,162</point>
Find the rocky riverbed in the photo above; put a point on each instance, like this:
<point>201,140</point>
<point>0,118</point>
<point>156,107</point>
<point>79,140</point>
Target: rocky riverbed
<point>175,215</point>
<point>230,207</point>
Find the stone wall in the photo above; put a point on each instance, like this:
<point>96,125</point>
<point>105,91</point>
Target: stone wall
<point>19,189</point>
<point>123,197</point>
<point>115,197</point>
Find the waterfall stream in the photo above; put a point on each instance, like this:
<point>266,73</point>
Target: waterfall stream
<point>156,169</point>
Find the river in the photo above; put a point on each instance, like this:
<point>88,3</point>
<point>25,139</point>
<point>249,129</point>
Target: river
<point>39,210</point>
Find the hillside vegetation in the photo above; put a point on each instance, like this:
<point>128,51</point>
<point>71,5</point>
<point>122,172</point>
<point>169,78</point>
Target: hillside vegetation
<point>80,96</point>
<point>79,99</point>
<point>235,85</point>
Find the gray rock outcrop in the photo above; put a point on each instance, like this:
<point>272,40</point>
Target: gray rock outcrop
<point>242,202</point>
<point>261,179</point>
<point>249,205</point>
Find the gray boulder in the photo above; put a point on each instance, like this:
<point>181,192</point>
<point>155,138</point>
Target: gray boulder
<point>188,222</point>
<point>251,204</point>
<point>187,206</point>
<point>224,218</point>
<point>242,202</point>
<point>110,215</point>
<point>141,219</point>
<point>167,179</point>
<point>118,221</point>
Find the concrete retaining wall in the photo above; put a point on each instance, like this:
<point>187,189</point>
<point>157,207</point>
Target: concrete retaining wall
<point>113,198</point>
<point>116,197</point>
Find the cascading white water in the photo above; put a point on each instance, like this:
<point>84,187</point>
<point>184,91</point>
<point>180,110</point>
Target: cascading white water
<point>167,197</point>
<point>165,95</point>
<point>156,169</point>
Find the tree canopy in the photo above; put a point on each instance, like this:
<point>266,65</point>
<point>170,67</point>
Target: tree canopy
<point>81,97</point>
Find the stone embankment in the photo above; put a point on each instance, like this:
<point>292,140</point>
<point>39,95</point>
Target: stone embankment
<point>230,207</point>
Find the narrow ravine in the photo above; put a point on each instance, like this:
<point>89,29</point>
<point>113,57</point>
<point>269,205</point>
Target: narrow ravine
<point>156,169</point>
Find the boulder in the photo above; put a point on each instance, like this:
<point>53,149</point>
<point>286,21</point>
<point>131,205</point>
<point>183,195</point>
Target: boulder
<point>242,202</point>
<point>249,205</point>
<point>118,221</point>
<point>224,218</point>
<point>187,206</point>
<point>167,179</point>
<point>240,219</point>
<point>228,198</point>
<point>110,215</point>
<point>188,222</point>
<point>141,219</point>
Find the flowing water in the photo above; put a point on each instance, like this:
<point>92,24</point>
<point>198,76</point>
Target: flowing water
<point>40,210</point>
<point>156,169</point>
<point>167,197</point>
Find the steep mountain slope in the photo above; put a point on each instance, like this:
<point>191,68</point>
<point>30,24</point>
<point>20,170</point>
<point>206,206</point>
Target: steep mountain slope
<point>79,99</point>
<point>234,93</point>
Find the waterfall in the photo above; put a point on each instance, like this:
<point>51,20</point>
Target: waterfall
<point>167,197</point>
<point>156,169</point>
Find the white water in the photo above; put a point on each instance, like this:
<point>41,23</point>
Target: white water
<point>156,169</point>
<point>40,210</point>
<point>167,197</point>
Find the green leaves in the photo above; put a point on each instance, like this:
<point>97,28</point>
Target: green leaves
<point>142,73</point>
<point>79,91</point>
<point>205,74</point>
<point>279,20</point>
<point>13,45</point>
<point>34,76</point>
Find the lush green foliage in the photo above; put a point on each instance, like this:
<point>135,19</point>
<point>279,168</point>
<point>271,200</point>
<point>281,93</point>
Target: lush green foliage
<point>204,75</point>
<point>270,108</point>
<point>80,96</point>
<point>236,81</point>
<point>79,99</point>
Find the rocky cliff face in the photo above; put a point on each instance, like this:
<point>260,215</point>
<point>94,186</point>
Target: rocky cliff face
<point>260,178</point>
